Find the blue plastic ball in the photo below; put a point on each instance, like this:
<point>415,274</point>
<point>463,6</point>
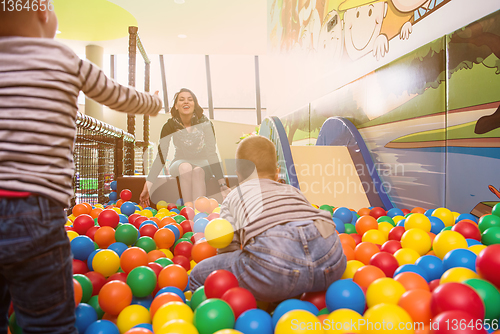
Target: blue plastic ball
<point>118,247</point>
<point>344,214</point>
<point>355,217</point>
<point>199,225</point>
<point>254,321</point>
<point>102,327</point>
<point>81,247</point>
<point>113,185</point>
<point>339,225</point>
<point>147,326</point>
<point>429,212</point>
<point>90,258</point>
<point>152,222</point>
<point>395,212</point>
<point>345,293</point>
<point>401,223</point>
<point>123,218</point>
<point>174,229</point>
<point>436,224</point>
<point>143,301</point>
<point>460,258</point>
<point>199,215</point>
<point>411,268</point>
<point>472,242</point>
<point>85,316</point>
<point>172,289</point>
<point>432,266</point>
<point>127,208</point>
<point>289,305</point>
<point>466,216</point>
<point>113,196</point>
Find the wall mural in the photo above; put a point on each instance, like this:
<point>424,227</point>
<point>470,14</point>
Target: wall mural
<point>431,119</point>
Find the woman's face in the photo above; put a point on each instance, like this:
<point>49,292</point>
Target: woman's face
<point>185,104</point>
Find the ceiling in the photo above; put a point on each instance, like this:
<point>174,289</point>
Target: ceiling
<point>211,26</point>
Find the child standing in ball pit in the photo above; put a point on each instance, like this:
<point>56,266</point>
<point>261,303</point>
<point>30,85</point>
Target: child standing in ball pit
<point>40,80</point>
<point>282,245</point>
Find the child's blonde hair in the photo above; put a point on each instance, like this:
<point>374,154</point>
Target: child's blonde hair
<point>261,152</point>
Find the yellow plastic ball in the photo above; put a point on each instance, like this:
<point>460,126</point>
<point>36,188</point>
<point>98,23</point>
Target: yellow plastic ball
<point>406,256</point>
<point>418,220</point>
<point>106,262</point>
<point>72,234</point>
<point>228,331</point>
<point>397,219</point>
<point>384,290</point>
<point>476,249</point>
<point>387,319</point>
<point>161,205</point>
<point>192,264</point>
<point>445,215</point>
<point>167,253</point>
<point>177,326</point>
<point>117,210</point>
<point>71,217</point>
<point>342,321</point>
<point>447,241</point>
<point>171,311</point>
<point>455,215</point>
<point>68,223</point>
<point>160,216</point>
<point>374,236</point>
<point>146,213</point>
<point>299,322</point>
<point>457,275</point>
<point>219,233</point>
<point>131,316</point>
<point>416,239</point>
<point>385,228</point>
<point>315,206</point>
<point>188,294</point>
<point>351,268</point>
<point>99,205</point>
<point>216,210</point>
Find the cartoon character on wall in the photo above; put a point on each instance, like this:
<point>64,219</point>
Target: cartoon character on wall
<point>310,24</point>
<point>330,44</point>
<point>362,28</point>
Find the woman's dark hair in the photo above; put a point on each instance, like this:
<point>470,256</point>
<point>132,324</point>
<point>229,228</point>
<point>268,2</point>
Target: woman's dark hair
<point>198,110</point>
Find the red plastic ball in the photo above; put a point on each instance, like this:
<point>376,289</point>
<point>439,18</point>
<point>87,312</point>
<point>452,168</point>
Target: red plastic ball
<point>318,298</point>
<point>182,261</point>
<point>213,215</point>
<point>137,222</point>
<point>171,206</point>
<point>396,233</point>
<point>109,218</point>
<point>156,267</point>
<point>197,236</point>
<point>126,195</point>
<point>184,248</point>
<point>187,212</point>
<point>187,225</point>
<point>79,267</point>
<point>97,280</point>
<point>117,277</point>
<point>488,264</point>
<point>457,296</point>
<point>357,238</point>
<point>133,217</point>
<point>218,282</point>
<point>91,232</point>
<point>405,211</point>
<point>82,223</point>
<point>391,246</point>
<point>386,262</point>
<point>434,284</point>
<point>468,229</point>
<point>148,230</point>
<point>456,322</point>
<point>240,300</point>
<point>377,212</point>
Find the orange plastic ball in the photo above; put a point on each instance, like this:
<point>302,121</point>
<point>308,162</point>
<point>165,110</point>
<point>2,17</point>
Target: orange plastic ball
<point>412,281</point>
<point>77,287</point>
<point>202,204</point>
<point>119,203</point>
<point>213,204</point>
<point>365,223</point>
<point>348,252</point>
<point>364,212</point>
<point>114,296</point>
<point>418,305</point>
<point>155,255</point>
<point>202,250</point>
<point>133,257</point>
<point>364,251</point>
<point>173,275</point>
<point>80,209</point>
<point>164,238</point>
<point>347,240</point>
<point>364,276</point>
<point>162,299</point>
<point>95,212</point>
<point>104,236</point>
<point>418,210</point>
<point>165,221</point>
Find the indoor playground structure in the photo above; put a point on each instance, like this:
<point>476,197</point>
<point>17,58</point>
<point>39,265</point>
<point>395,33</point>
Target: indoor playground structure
<point>398,140</point>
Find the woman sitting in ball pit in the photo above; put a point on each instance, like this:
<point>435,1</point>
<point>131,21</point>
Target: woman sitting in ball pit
<point>282,245</point>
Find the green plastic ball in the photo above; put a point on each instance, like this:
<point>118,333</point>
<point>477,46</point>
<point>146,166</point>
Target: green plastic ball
<point>146,243</point>
<point>350,228</point>
<point>13,326</point>
<point>188,235</point>
<point>323,311</point>
<point>496,210</point>
<point>94,302</point>
<point>489,294</point>
<point>126,233</point>
<point>447,228</point>
<point>142,281</point>
<point>87,286</point>
<point>179,218</point>
<point>488,221</point>
<point>164,261</point>
<point>326,207</point>
<point>386,219</point>
<point>491,236</point>
<point>198,297</point>
<point>181,240</point>
<point>213,315</point>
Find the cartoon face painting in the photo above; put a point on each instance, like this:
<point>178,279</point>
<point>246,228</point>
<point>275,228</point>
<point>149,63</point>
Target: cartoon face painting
<point>330,37</point>
<point>408,5</point>
<point>362,30</point>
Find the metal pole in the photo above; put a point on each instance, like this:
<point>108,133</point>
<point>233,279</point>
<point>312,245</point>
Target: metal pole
<point>164,84</point>
<point>209,88</point>
<point>257,91</point>
<point>132,56</point>
<point>113,66</point>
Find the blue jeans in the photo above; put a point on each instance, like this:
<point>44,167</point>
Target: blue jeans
<point>282,262</point>
<point>35,266</point>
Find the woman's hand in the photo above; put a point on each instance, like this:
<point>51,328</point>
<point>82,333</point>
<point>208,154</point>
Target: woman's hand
<point>144,197</point>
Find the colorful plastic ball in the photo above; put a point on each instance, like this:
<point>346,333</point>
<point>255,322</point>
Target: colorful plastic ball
<point>349,228</point>
<point>377,212</point>
<point>175,229</point>
<point>491,236</point>
<point>164,238</point>
<point>86,285</point>
<point>94,302</point>
<point>164,261</point>
<point>374,236</point>
<point>365,250</point>
<point>218,282</point>
<point>445,215</point>
<point>141,330</point>
<point>347,240</point>
<point>386,262</point>
<point>162,299</point>
<point>187,212</point>
<point>114,297</point>
<point>85,315</point>
<point>133,257</point>
<point>472,242</point>
<point>79,267</point>
<point>418,220</point>
<point>182,261</point>
<point>489,295</point>
<point>384,290</point>
<point>458,275</point>
<point>412,281</point>
<point>457,296</point>
<point>339,224</point>
<point>146,243</point>
<point>387,318</point>
<point>177,326</point>
<point>173,275</point>
<point>411,268</point>
<point>351,267</point>
<point>488,264</point>
<point>202,250</point>
<point>254,321</point>
<point>366,275</point>
<point>97,280</point>
<point>102,327</point>
<point>290,305</point>
<point>240,300</point>
<point>171,311</point>
<point>468,229</point>
<point>394,212</point>
<point>148,230</point>
<point>416,239</point>
<point>391,246</point>
<point>396,233</point>
<point>126,195</point>
<point>91,258</point>
<point>104,236</point>
<point>406,256</point>
<point>317,298</point>
<point>418,304</point>
<point>142,281</point>
<point>174,290</point>
<point>219,233</point>
<point>344,214</point>
<point>432,266</point>
<point>460,258</point>
<point>365,223</point>
<point>131,316</point>
<point>456,322</point>
<point>127,208</point>
<point>82,223</point>
<point>487,221</point>
<point>81,247</point>
<point>213,315</point>
<point>109,218</point>
<point>437,224</point>
<point>345,294</point>
<point>183,248</point>
<point>290,323</point>
<point>118,247</point>
<point>476,249</point>
<point>343,321</point>
<point>447,241</point>
<point>106,262</point>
